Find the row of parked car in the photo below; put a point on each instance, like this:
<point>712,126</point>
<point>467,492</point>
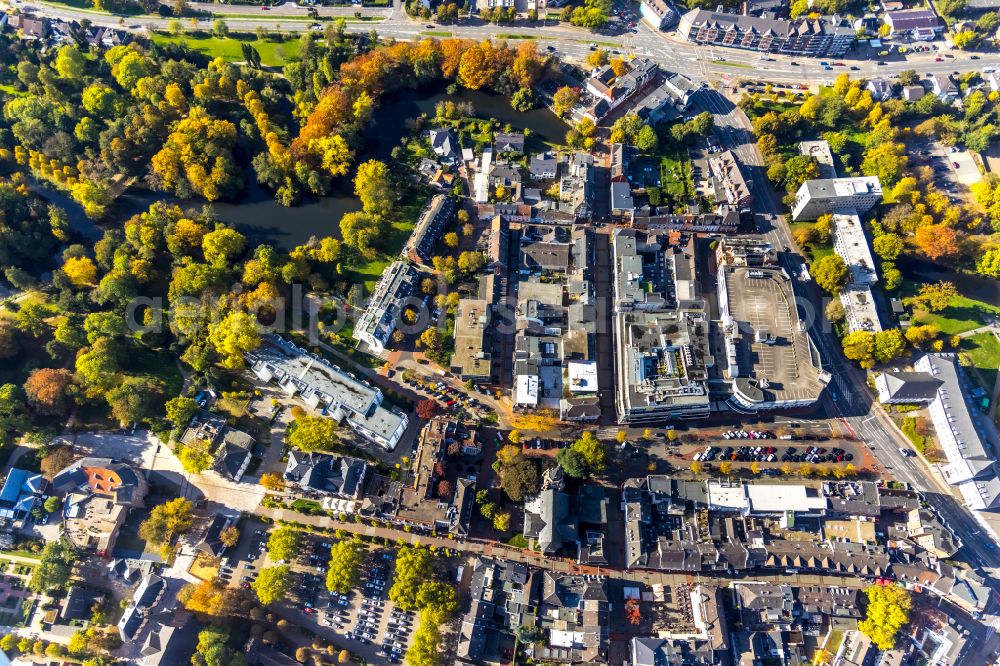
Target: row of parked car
<point>817,454</point>
<point>748,434</point>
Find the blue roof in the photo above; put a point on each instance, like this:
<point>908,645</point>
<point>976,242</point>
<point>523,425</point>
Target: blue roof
<point>12,485</point>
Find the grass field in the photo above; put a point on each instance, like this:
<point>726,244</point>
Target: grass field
<point>272,53</point>
<point>962,314</point>
<point>726,63</point>
<point>436,33</point>
<point>984,352</point>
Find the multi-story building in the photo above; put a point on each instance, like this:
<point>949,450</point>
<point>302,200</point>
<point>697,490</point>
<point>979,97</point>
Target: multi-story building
<point>920,24</point>
<point>472,359</point>
<point>99,493</point>
<point>420,245</point>
<point>658,13</point>
<point>851,244</point>
<point>328,389</point>
<point>807,36</point>
<point>831,195</point>
<point>611,91</point>
<point>396,286</point>
<point>660,330</point>
<point>769,358</point>
<point>820,151</point>
<point>967,436</point>
<point>730,185</point>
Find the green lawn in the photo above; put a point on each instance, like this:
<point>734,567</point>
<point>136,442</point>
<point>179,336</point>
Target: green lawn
<point>272,53</point>
<point>726,63</point>
<point>962,314</point>
<point>814,251</point>
<point>436,33</point>
<point>984,352</point>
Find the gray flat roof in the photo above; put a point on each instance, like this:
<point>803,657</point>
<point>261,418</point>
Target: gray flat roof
<point>760,300</point>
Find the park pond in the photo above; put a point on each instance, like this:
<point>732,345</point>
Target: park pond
<point>257,214</point>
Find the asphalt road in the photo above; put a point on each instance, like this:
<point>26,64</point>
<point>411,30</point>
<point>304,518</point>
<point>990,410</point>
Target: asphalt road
<point>699,62</point>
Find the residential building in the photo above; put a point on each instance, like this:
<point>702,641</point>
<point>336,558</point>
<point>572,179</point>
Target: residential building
<point>339,477</point>
<point>170,640</point>
<point>327,389</point>
<point>23,491</point>
<point>575,611</point>
<point>913,93</point>
<point>472,358</point>
<point>576,186</point>
<point>682,89</point>
<point>918,24</point>
<point>851,244</point>
<point>727,221</point>
<point>555,523</point>
<point>945,87</point>
<point>770,360</point>
<point>805,36</point>
<point>503,598</point>
<point>820,151</point>
<point>509,142</point>
<point>211,541</point>
<point>419,246</point>
<point>140,608</point>
<point>28,27</point>
<point>622,205</point>
<point>98,495</point>
<point>611,91</point>
<point>967,436</point>
<point>543,166</point>
<point>906,388</point>
<point>231,449</point>
<point>444,145</point>
<point>462,505</point>
<point>658,13</point>
<point>993,79</point>
<point>881,89</point>
<point>831,195</point>
<point>660,330</point>
<point>396,289</point>
<point>727,177</point>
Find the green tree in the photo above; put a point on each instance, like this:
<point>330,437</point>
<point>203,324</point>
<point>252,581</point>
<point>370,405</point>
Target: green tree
<point>798,170</point>
<point>283,544</point>
<point>989,263</point>
<point>414,566</point>
<point>889,344</point>
<point>223,246</point>
<point>564,100</point>
<point>233,336</point>
<point>888,611</point>
<point>346,557</point>
<point>887,161</point>
<point>181,410</point>
<point>592,450</point>
<point>167,521</point>
<point>859,346</point>
<point>572,463</point>
<point>54,568</point>
<point>52,504</point>
<point>830,273</point>
<point>312,433</point>
<point>70,63</point>
<point>220,29</point>
<point>373,186</point>
<point>272,584</point>
<point>888,246</point>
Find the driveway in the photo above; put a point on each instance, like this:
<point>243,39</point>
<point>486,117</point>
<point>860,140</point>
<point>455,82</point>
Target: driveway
<point>145,451</point>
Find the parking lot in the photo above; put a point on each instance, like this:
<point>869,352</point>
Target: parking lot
<point>954,169</point>
<point>365,621</point>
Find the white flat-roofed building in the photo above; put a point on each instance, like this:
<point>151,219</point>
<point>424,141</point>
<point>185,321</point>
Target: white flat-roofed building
<point>328,389</point>
<point>967,436</point>
<point>830,195</point>
<point>526,391</point>
<point>397,284</point>
<point>851,244</point>
<point>766,498</point>
<point>582,376</point>
<point>820,150</point>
